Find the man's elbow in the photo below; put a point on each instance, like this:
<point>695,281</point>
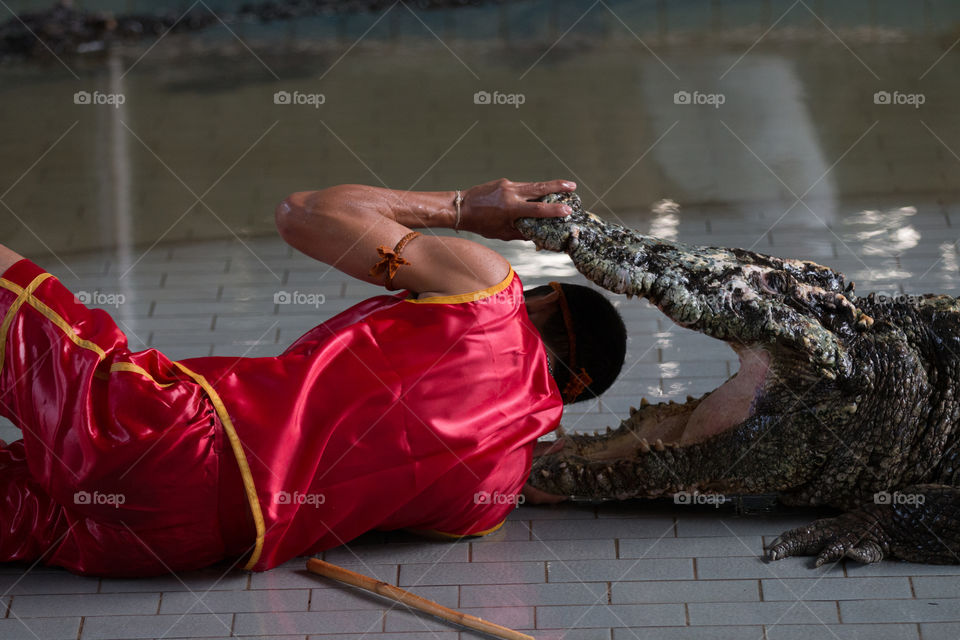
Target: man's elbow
<point>292,213</point>
<point>283,216</point>
<point>308,209</point>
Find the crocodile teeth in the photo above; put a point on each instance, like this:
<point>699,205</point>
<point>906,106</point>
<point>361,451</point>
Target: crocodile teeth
<point>609,429</point>
<point>690,398</point>
<point>644,445</point>
<point>658,445</point>
<point>633,410</point>
<point>644,402</point>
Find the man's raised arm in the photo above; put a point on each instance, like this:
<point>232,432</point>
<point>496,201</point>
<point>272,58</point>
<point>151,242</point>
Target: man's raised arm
<point>344,226</point>
<point>8,258</point>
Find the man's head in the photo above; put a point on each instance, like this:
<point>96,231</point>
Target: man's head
<point>570,315</point>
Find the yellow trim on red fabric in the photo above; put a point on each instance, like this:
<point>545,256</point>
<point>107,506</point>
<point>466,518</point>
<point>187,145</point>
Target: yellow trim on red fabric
<point>457,536</point>
<point>241,457</point>
<point>473,296</point>
<point>135,368</point>
<point>26,296</point>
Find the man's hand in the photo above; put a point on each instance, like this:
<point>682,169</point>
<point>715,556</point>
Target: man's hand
<point>535,496</point>
<point>490,209</point>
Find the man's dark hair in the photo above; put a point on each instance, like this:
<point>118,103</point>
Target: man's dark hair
<point>599,334</point>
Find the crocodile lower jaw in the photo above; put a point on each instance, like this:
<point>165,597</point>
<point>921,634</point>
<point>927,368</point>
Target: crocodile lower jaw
<point>675,424</point>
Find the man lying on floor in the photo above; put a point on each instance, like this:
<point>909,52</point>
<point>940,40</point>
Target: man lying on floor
<point>418,410</point>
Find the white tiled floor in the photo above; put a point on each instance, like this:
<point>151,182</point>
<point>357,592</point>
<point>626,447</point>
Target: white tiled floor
<point>630,570</point>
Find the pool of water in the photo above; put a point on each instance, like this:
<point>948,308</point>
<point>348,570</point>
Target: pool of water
<point>750,115</point>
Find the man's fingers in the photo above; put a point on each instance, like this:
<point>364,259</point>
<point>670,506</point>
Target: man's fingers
<point>543,210</point>
<point>548,447</point>
<point>537,189</point>
<point>535,496</point>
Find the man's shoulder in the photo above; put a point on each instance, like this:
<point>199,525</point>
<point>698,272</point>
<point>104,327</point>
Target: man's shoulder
<point>505,289</point>
<point>450,266</point>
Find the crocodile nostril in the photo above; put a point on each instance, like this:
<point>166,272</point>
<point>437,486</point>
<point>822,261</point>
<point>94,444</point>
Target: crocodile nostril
<point>773,282</point>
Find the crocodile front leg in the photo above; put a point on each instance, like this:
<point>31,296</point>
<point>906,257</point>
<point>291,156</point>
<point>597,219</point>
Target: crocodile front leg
<point>919,524</point>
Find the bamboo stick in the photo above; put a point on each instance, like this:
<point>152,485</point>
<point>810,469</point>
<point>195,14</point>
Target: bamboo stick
<point>320,567</point>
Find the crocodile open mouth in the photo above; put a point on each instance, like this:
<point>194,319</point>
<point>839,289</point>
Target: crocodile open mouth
<point>786,319</point>
<point>659,425</point>
<point>791,322</point>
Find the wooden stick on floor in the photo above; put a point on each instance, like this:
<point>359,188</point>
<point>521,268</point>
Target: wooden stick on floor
<point>381,588</point>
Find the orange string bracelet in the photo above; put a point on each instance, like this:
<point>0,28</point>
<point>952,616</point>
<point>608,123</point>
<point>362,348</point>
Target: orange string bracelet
<point>390,261</point>
<point>579,380</point>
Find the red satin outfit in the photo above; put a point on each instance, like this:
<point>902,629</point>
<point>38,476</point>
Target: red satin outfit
<point>396,413</point>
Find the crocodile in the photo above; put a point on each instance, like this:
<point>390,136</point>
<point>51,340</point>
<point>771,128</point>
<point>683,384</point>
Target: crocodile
<point>840,400</point>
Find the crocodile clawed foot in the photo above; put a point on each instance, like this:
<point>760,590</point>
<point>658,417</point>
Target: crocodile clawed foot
<point>850,535</point>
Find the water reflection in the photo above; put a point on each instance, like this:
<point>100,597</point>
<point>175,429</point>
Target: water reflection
<point>666,219</point>
<point>537,264</point>
<point>887,234</point>
<point>606,112</point>
<point>764,145</point>
<point>948,260</point>
<point>115,190</point>
<point>669,369</point>
<point>675,389</point>
<point>662,340</point>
